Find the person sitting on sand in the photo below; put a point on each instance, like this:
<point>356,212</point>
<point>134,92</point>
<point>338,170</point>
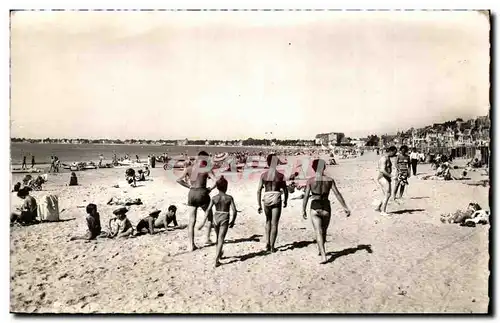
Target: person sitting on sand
<point>120,226</point>
<point>140,176</point>
<point>274,184</point>
<point>93,224</point>
<point>403,171</point>
<point>169,217</point>
<point>17,187</point>
<point>318,187</point>
<point>223,203</point>
<point>147,172</point>
<point>384,179</point>
<point>195,178</point>
<point>294,192</point>
<point>148,223</point>
<point>28,212</point>
<point>73,180</point>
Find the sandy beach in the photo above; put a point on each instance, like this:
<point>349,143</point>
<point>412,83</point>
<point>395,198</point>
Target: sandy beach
<point>409,262</point>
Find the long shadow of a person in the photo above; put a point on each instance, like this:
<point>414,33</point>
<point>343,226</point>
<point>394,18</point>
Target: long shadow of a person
<point>348,251</point>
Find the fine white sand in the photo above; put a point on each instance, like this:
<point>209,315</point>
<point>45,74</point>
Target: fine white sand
<point>409,262</point>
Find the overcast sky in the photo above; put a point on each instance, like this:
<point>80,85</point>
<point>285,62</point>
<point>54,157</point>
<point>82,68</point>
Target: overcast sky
<point>235,75</point>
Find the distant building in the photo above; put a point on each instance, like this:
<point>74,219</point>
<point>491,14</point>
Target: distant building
<point>329,138</point>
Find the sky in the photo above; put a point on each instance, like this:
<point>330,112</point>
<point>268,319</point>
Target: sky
<point>231,75</point>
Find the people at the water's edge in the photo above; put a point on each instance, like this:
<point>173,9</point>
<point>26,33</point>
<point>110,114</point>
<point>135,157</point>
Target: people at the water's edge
<point>384,179</point>
<point>28,212</point>
<point>195,178</point>
<point>403,171</point>
<point>274,185</point>
<point>93,220</point>
<point>24,163</point>
<point>414,157</point>
<point>223,204</point>
<point>148,223</point>
<point>318,187</point>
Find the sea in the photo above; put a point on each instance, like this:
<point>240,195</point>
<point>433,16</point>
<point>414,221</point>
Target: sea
<point>69,153</point>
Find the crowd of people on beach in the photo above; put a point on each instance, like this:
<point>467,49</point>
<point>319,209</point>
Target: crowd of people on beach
<point>395,167</point>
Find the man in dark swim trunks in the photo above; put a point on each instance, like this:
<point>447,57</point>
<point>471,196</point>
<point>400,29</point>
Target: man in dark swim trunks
<point>274,184</point>
<point>319,188</point>
<point>195,178</point>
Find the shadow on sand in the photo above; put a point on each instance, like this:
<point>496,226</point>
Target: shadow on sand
<point>348,251</point>
<point>410,211</point>
<point>296,245</point>
<point>254,238</point>
<point>419,197</point>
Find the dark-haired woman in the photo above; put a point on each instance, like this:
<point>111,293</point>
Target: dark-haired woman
<point>318,187</point>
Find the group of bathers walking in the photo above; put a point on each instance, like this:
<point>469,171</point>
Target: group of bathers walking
<point>273,182</point>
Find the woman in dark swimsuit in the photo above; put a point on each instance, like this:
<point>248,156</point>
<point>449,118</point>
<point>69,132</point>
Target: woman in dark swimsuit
<point>319,188</point>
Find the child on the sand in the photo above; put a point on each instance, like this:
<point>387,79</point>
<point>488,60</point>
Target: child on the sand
<point>170,217</point>
<point>148,222</point>
<point>73,180</point>
<point>223,203</point>
<point>93,224</point>
<point>120,226</point>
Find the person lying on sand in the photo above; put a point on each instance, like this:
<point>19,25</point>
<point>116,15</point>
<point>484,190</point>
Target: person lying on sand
<point>127,201</point>
<point>93,224</point>
<point>384,179</point>
<point>148,223</point>
<point>28,212</point>
<point>195,178</point>
<point>223,203</point>
<point>169,217</point>
<point>274,184</point>
<point>120,226</point>
<point>319,188</point>
<point>470,217</point>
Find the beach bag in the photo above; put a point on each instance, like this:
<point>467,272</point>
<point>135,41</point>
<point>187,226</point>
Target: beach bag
<point>48,208</point>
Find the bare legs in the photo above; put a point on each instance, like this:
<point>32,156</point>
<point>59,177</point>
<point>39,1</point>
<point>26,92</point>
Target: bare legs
<point>221,235</point>
<point>210,219</point>
<point>321,220</point>
<point>385,186</point>
<point>192,221</point>
<point>272,220</point>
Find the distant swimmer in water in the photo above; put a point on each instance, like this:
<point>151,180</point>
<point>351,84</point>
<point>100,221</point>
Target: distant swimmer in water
<point>384,179</point>
<point>195,178</point>
<point>223,204</point>
<point>318,187</point>
<point>274,184</point>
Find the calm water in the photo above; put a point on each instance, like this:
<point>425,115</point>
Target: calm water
<point>86,152</point>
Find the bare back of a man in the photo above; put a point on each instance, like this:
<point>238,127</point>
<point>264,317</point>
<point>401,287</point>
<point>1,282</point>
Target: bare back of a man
<point>274,184</point>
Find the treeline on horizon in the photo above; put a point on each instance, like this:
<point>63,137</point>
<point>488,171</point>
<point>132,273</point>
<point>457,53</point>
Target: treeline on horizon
<point>476,125</point>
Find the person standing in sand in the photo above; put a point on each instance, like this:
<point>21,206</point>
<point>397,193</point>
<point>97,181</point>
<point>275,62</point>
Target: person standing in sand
<point>32,161</point>
<point>319,188</point>
<point>403,171</point>
<point>274,184</point>
<point>24,162</point>
<point>223,204</point>
<point>195,178</point>
<point>384,179</point>
<point>414,157</point>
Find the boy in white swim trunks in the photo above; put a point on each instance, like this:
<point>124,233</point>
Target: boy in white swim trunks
<point>223,204</point>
